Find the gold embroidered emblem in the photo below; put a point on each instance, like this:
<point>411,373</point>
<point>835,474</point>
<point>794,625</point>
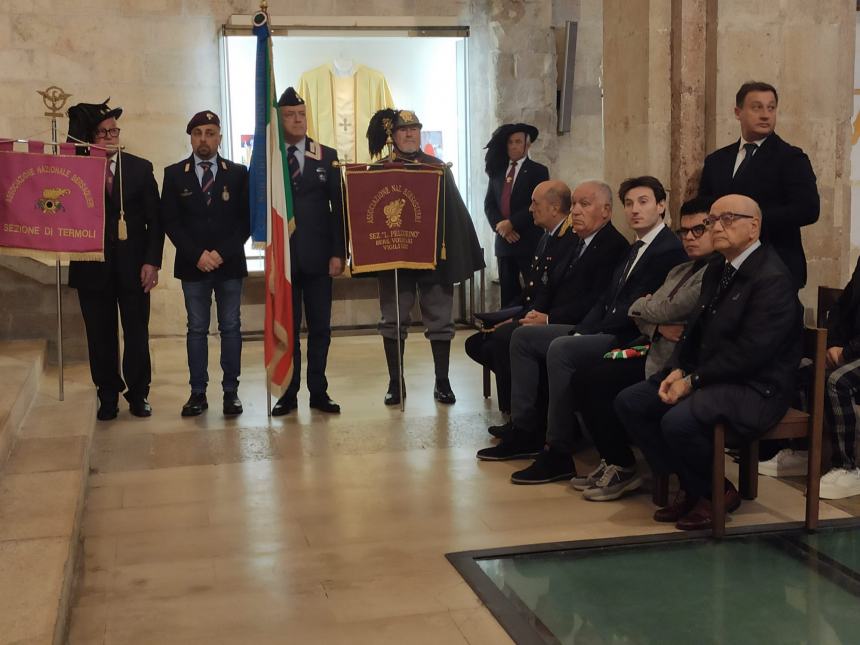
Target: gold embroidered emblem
<point>394,213</point>
<point>50,202</point>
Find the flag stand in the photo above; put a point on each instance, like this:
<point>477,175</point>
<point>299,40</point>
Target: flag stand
<point>399,343</point>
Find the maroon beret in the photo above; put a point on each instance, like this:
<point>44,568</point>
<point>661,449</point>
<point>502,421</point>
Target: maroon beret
<point>207,117</point>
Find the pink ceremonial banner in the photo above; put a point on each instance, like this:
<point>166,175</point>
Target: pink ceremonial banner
<point>51,205</point>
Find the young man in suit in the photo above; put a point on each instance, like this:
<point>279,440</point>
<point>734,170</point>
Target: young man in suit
<point>566,349</point>
<point>513,178</point>
<point>205,212</point>
<point>316,251</point>
<point>777,175</point>
<point>132,248</point>
<point>736,363</point>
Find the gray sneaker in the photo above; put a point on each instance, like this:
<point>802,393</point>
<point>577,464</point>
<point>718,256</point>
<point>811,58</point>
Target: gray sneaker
<point>587,481</point>
<point>614,482</point>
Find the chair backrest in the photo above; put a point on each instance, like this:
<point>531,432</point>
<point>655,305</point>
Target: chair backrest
<point>815,347</point>
<point>827,297</point>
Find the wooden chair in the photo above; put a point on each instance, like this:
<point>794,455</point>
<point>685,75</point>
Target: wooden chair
<point>827,297</point>
<point>794,425</point>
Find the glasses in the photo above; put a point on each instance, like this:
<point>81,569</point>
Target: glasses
<point>101,133</point>
<point>698,231</point>
<point>725,219</point>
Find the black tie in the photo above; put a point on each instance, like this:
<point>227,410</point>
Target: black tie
<point>634,251</point>
<point>208,181</point>
<point>294,167</point>
<point>745,162</point>
<point>728,273</point>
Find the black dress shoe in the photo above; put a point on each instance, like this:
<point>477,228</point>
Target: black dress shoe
<point>548,466</point>
<point>516,446</point>
<point>502,431</point>
<point>232,404</point>
<point>392,397</point>
<point>195,405</point>
<point>140,408</point>
<point>324,404</point>
<point>285,405</point>
<point>442,391</point>
<point>108,407</point>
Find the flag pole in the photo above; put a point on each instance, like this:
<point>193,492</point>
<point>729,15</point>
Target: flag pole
<point>264,6</point>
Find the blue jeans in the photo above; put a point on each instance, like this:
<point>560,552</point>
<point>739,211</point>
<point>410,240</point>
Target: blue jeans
<point>198,304</point>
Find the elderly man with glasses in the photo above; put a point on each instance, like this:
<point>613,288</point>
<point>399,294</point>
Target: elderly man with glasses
<point>735,363</point>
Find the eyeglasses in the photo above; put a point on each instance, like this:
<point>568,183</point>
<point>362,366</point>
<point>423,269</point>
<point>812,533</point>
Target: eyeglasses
<point>101,133</point>
<point>725,219</point>
<point>698,231</point>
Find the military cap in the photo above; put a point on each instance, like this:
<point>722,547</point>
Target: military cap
<point>85,117</point>
<point>383,124</point>
<point>207,117</point>
<point>290,98</point>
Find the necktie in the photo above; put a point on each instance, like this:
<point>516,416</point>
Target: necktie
<point>750,149</point>
<point>634,251</point>
<point>208,180</point>
<point>505,205</point>
<point>109,178</point>
<point>293,166</point>
<point>728,273</point>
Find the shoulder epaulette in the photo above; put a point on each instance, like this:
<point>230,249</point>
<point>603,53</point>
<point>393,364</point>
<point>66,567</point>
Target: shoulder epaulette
<point>314,151</point>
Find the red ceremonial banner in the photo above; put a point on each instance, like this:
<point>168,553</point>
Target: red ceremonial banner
<point>52,205</point>
<point>392,213</point>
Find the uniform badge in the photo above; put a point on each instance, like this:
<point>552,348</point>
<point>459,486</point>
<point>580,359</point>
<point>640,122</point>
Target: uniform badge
<point>544,278</point>
<point>322,175</point>
<point>185,193</point>
<point>225,194</point>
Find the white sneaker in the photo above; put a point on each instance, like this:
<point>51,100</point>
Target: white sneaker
<point>785,463</point>
<point>839,483</point>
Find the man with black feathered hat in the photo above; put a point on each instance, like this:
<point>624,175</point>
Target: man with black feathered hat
<point>513,178</point>
<point>462,256</point>
<point>317,251</point>
<point>132,248</point>
<point>205,211</point>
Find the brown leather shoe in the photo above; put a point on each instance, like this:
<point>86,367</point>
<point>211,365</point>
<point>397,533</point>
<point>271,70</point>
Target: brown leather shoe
<point>679,507</point>
<point>699,518</point>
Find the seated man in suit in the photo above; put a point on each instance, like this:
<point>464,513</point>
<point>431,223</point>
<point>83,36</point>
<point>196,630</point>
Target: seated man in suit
<point>660,317</point>
<point>553,353</point>
<point>777,175</point>
<point>735,363</point>
<point>563,286</point>
<point>843,383</point>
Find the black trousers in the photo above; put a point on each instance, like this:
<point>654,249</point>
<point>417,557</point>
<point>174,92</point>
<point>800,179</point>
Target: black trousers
<point>492,350</point>
<point>513,272</point>
<point>99,309</point>
<point>596,389</point>
<point>314,292</point>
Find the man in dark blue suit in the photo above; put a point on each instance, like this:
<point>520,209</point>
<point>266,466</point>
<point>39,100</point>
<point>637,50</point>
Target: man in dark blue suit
<point>513,178</point>
<point>132,247</point>
<point>316,251</point>
<point>777,175</point>
<point>554,353</point>
<point>205,213</point>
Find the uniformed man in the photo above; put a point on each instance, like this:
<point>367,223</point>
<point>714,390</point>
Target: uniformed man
<point>132,248</point>
<point>316,251</point>
<point>434,288</point>
<point>205,212</point>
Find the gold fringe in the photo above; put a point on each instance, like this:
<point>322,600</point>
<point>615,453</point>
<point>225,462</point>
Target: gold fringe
<point>394,264</point>
<point>90,256</point>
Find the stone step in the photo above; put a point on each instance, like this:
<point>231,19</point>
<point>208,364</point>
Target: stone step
<point>42,494</point>
<point>21,363</point>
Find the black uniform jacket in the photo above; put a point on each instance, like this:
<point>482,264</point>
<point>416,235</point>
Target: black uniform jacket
<point>530,174</point>
<point>194,227</point>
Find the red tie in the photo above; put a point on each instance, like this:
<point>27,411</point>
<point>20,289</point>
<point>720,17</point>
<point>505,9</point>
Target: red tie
<point>505,206</point>
<point>109,179</point>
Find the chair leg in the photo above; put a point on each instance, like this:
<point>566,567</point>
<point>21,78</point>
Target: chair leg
<point>748,471</point>
<point>718,496</point>
<point>813,480</point>
<point>486,382</point>
<point>660,494</point>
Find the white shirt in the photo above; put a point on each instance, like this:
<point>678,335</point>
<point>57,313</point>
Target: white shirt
<point>199,169</point>
<point>738,261</point>
<point>300,152</point>
<point>646,242</point>
<point>742,153</point>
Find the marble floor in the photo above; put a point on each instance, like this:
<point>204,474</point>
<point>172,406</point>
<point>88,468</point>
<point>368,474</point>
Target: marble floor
<point>314,528</point>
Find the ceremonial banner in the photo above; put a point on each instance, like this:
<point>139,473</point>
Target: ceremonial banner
<point>51,206</point>
<point>393,213</point>
<point>272,218</point>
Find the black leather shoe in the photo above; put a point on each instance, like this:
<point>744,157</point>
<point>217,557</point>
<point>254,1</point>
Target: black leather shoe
<point>443,393</point>
<point>108,407</point>
<point>392,397</point>
<point>195,405</point>
<point>285,405</point>
<point>140,408</point>
<point>324,404</point>
<point>502,431</point>
<point>232,404</point>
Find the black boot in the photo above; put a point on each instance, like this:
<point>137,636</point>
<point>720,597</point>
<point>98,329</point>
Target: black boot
<point>442,390</point>
<point>392,396</point>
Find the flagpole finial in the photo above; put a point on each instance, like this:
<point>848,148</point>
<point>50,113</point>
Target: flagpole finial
<point>264,5</point>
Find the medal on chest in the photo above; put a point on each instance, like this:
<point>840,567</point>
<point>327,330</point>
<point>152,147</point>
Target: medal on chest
<point>225,194</point>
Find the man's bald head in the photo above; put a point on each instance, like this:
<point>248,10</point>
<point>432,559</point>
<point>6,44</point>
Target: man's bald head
<point>735,222</point>
<point>550,203</point>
